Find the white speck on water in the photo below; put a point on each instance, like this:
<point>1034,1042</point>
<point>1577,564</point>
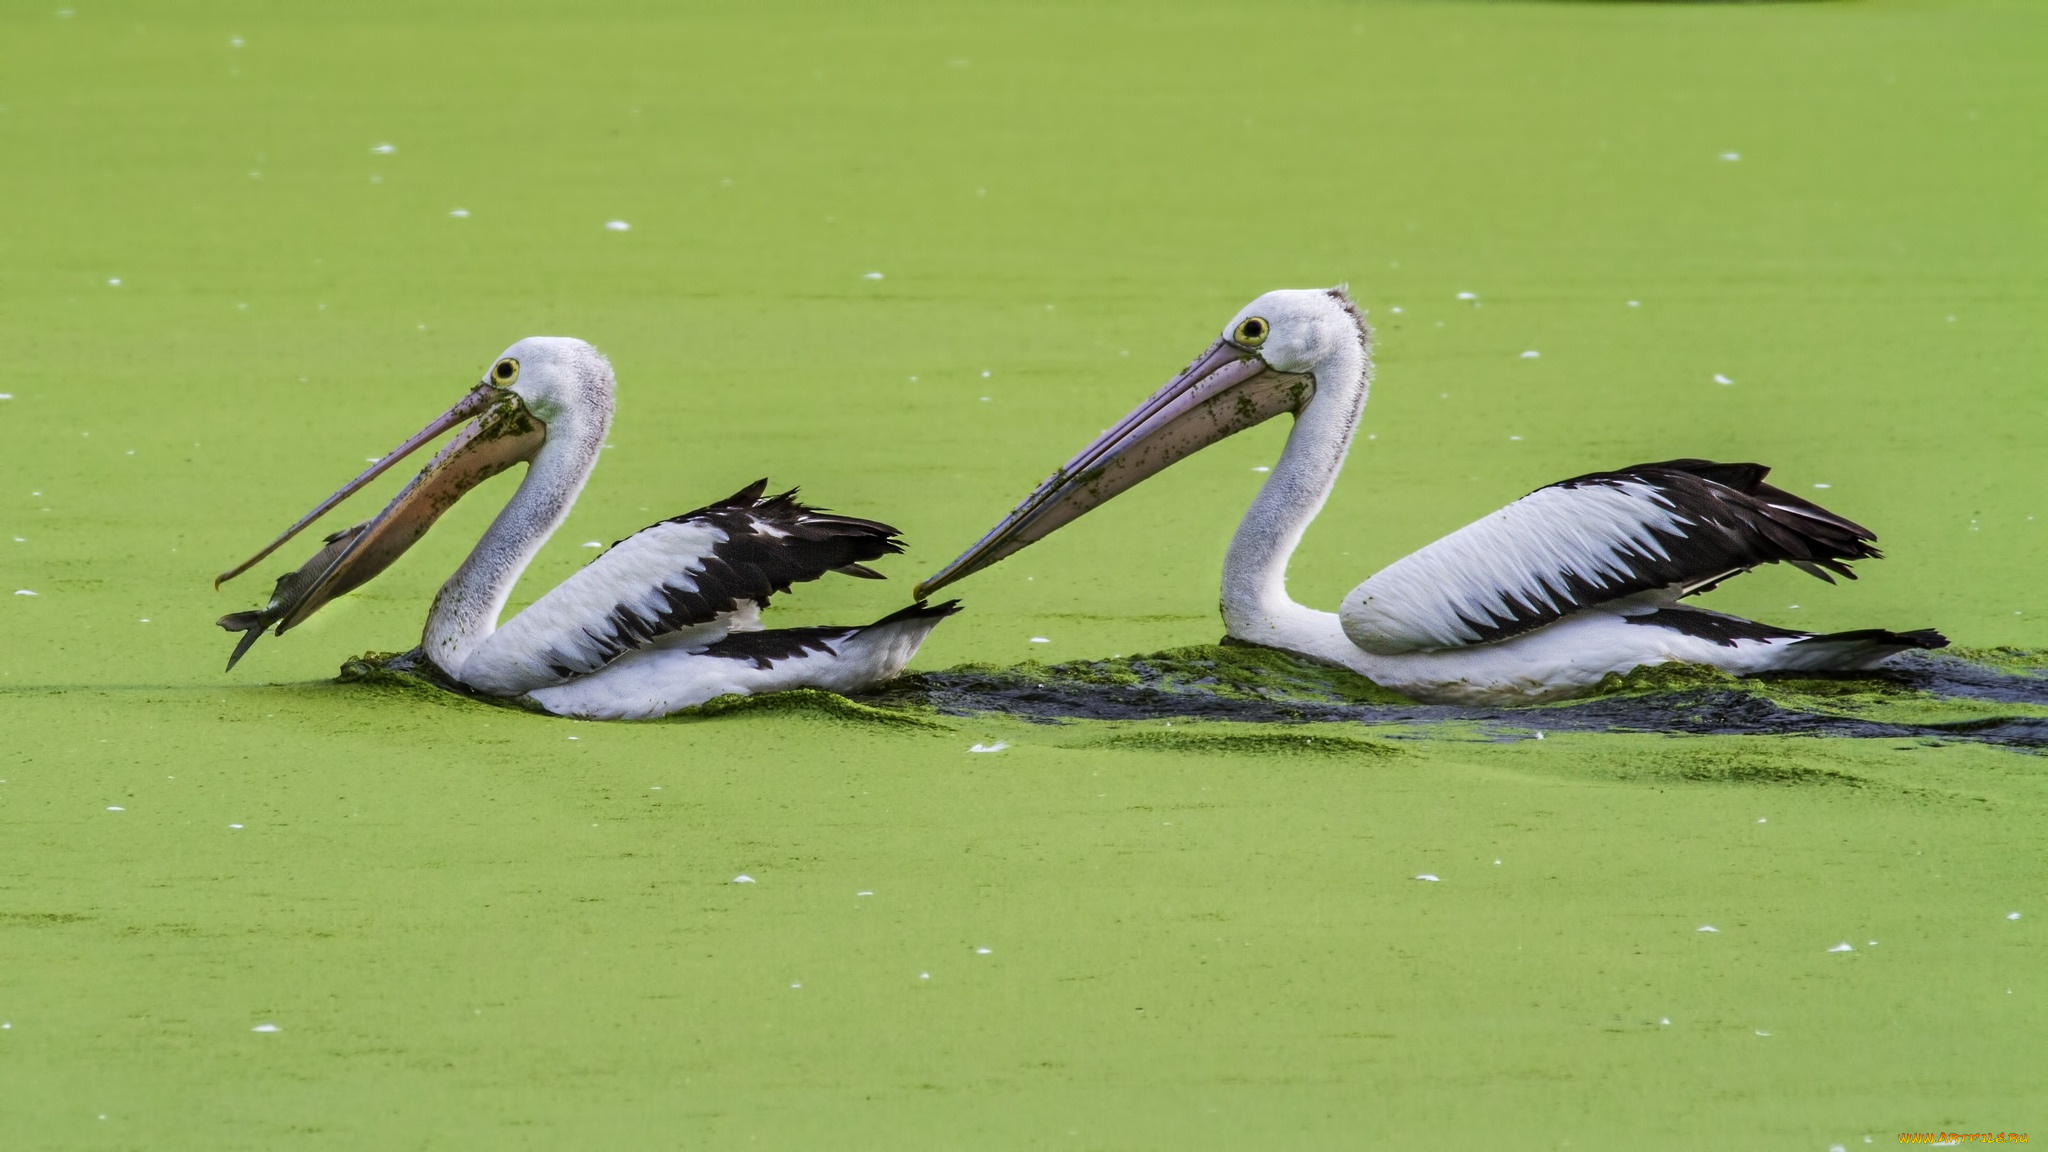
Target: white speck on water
<point>593,544</point>
<point>998,746</point>
<point>2012,915</point>
<point>114,281</point>
<point>144,620</point>
<point>1468,295</point>
<point>1635,303</point>
<point>1532,354</point>
<point>1761,1032</point>
<point>1706,928</point>
<point>654,787</point>
<point>1791,606</point>
<point>234,825</point>
<point>6,1025</point>
<point>1496,863</point>
<point>871,275</point>
<point>1872,944</point>
<point>984,399</point>
<point>1844,946</point>
<point>924,975</point>
<point>1665,1021</point>
<point>1837,1148</point>
<point>1766,819</point>
<point>460,213</point>
<point>743,878</point>
<point>1722,380</point>
<point>384,149</point>
<point>1396,309</point>
<point>863,893</point>
<point>1539,735</point>
<point>1731,157</point>
<point>797,984</point>
<point>575,737</point>
<point>983,951</point>
<point>264,1028</point>
<point>112,808</point>
<point>234,41</point>
<point>1262,468</point>
<point>1428,876</point>
<point>23,592</point>
<point>1514,437</point>
<point>1040,640</point>
<point>617,226</point>
<point>984,375</point>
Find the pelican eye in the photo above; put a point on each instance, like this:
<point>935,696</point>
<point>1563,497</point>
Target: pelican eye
<point>504,372</point>
<point>1251,331</point>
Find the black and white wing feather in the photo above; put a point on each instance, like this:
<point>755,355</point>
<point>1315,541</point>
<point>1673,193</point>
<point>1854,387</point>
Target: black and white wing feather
<point>702,574</point>
<point>1671,528</point>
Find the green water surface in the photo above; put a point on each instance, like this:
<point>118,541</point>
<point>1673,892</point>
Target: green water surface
<point>476,927</point>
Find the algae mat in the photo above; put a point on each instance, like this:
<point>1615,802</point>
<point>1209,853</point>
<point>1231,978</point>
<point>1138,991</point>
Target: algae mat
<point>468,928</point>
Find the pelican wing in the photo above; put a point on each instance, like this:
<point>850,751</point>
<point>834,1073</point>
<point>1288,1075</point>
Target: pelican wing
<point>1668,529</point>
<point>691,579</point>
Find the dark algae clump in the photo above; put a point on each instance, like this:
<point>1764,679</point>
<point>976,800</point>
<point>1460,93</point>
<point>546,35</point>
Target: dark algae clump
<point>1939,697</point>
<point>1930,697</point>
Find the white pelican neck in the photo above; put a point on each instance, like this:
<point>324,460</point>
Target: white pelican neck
<point>466,610</point>
<point>1255,603</point>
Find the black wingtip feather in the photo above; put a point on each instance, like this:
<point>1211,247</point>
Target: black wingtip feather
<point>1922,638</point>
<point>769,544</point>
<point>920,611</point>
<point>1780,526</point>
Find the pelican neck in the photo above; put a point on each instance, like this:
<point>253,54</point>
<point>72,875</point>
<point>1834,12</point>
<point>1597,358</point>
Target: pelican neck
<point>466,610</point>
<point>1255,603</point>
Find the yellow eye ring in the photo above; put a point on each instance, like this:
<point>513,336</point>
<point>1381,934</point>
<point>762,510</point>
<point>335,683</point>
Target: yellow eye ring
<point>504,372</point>
<point>1251,331</point>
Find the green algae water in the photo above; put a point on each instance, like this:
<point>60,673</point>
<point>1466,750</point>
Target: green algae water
<point>911,258</point>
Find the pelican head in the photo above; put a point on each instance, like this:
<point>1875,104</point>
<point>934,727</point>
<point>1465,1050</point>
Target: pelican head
<point>538,385</point>
<point>1265,363</point>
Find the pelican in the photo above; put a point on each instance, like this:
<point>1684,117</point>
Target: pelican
<point>1538,601</point>
<point>667,618</point>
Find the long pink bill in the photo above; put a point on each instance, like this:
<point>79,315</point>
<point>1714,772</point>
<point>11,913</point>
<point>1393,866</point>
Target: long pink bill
<point>478,399</point>
<point>1227,390</point>
<point>502,434</point>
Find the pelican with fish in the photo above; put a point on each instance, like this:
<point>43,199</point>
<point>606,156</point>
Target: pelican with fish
<point>1538,601</point>
<point>667,618</point>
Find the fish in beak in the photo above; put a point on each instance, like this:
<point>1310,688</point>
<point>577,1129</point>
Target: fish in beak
<point>1227,390</point>
<point>500,433</point>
